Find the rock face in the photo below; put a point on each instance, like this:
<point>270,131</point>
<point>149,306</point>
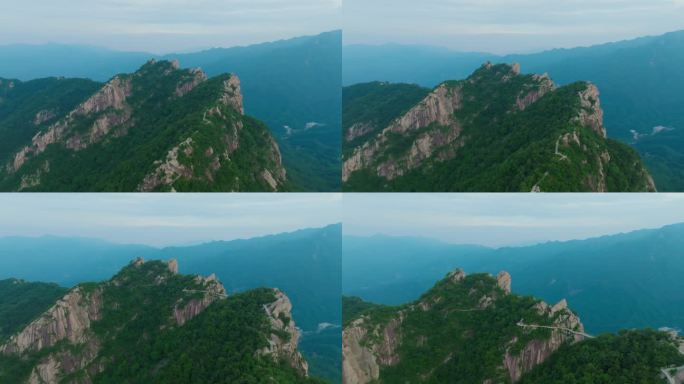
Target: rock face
<point>503,280</point>
<point>213,290</point>
<point>537,351</point>
<point>69,319</point>
<point>437,108</point>
<point>279,314</point>
<point>111,98</point>
<point>591,114</point>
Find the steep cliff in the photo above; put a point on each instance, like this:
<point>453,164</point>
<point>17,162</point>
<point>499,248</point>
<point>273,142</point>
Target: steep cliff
<point>161,128</point>
<point>497,130</point>
<point>140,326</point>
<point>465,326</point>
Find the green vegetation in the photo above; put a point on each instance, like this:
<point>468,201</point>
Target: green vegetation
<point>21,302</point>
<point>228,151</point>
<point>456,339</point>
<point>137,339</point>
<point>353,307</point>
<point>500,148</point>
<point>634,356</point>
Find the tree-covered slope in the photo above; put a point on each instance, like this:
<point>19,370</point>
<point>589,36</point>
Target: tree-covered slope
<point>160,128</point>
<point>466,329</point>
<point>22,301</point>
<point>498,130</point>
<point>634,356</point>
<point>148,324</point>
<point>471,329</point>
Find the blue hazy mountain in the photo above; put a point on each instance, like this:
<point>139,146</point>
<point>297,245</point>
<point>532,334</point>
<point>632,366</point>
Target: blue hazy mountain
<point>293,85</point>
<point>630,280</point>
<point>305,264</point>
<point>640,82</point>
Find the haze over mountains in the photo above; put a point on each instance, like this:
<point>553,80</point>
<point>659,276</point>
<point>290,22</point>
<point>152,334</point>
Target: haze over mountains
<point>292,262</point>
<point>629,280</point>
<point>638,81</point>
<point>292,85</point>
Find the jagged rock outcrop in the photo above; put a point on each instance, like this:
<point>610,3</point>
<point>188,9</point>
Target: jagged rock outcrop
<point>69,319</point>
<point>111,98</point>
<point>279,314</point>
<point>503,280</point>
<point>537,351</point>
<point>232,94</point>
<point>437,108</point>
<point>591,114</point>
<point>212,290</point>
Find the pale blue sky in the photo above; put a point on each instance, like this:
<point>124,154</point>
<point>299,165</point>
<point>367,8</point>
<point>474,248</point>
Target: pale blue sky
<point>507,26</point>
<point>163,26</point>
<point>507,219</point>
<point>164,219</point>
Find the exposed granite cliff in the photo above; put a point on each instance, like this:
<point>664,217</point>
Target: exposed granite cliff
<point>69,319</point>
<point>281,348</point>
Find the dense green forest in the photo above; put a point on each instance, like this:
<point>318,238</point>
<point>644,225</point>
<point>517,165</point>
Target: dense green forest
<point>457,332</point>
<point>137,340</point>
<point>22,301</point>
<point>634,356</point>
<point>223,150</point>
<point>499,147</point>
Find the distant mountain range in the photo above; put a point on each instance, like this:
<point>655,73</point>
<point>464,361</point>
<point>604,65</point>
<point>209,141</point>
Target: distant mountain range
<point>305,264</point>
<point>623,281</point>
<point>639,82</point>
<point>292,85</point>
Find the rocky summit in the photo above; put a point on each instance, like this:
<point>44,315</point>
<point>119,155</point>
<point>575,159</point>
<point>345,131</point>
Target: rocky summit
<point>465,326</point>
<point>161,128</point>
<point>150,324</point>
<point>497,130</point>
